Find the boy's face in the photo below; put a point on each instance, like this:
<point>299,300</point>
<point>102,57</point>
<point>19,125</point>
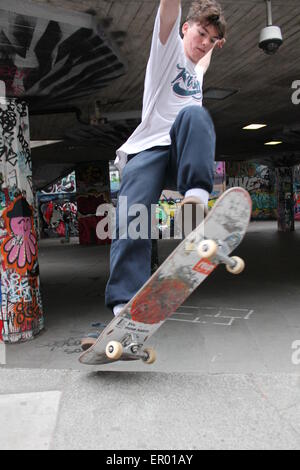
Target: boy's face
<point>198,40</point>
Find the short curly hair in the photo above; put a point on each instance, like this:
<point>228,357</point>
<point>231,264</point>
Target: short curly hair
<point>208,12</point>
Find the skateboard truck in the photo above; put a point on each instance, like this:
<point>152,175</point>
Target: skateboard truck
<point>129,348</point>
<point>211,249</point>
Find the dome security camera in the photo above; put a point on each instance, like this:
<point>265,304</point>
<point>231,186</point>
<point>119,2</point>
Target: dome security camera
<point>270,39</point>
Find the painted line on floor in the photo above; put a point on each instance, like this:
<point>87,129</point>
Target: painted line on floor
<point>215,317</point>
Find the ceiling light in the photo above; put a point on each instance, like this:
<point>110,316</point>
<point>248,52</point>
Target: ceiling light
<point>41,143</point>
<point>274,142</point>
<point>254,127</point>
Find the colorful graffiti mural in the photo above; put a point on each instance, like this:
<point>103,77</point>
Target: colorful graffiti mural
<point>93,189</point>
<point>66,185</point>
<point>21,315</point>
<point>259,181</point>
<point>54,202</point>
<point>19,247</point>
<point>21,306</point>
<point>52,211</point>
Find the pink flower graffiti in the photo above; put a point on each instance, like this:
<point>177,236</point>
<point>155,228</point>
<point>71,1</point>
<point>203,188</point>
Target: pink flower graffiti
<point>20,246</point>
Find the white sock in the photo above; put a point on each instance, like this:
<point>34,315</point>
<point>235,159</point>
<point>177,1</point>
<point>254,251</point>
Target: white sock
<point>199,193</point>
<point>117,309</point>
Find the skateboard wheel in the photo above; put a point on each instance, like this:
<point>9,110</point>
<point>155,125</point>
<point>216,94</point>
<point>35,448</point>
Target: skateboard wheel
<point>151,356</point>
<point>238,268</point>
<point>114,350</point>
<point>207,248</point>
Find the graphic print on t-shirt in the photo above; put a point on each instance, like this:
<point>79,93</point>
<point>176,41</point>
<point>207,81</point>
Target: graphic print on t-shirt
<point>186,85</point>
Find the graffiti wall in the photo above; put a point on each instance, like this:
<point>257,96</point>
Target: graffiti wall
<point>66,185</point>
<point>52,211</point>
<point>259,181</point>
<point>297,192</point>
<point>21,315</point>
<point>54,202</point>
<point>285,199</point>
<point>93,189</point>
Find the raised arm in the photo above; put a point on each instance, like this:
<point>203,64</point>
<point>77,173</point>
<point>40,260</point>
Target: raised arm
<point>205,61</point>
<point>169,10</point>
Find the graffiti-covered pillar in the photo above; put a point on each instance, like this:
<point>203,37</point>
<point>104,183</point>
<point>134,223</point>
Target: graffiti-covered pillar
<point>285,199</point>
<point>21,316</point>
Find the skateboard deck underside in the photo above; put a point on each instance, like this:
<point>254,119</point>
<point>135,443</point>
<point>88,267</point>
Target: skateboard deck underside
<point>180,274</point>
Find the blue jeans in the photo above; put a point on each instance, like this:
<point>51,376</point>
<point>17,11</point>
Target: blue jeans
<point>185,164</point>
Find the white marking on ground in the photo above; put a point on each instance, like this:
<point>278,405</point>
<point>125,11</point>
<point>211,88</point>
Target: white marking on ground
<point>221,316</point>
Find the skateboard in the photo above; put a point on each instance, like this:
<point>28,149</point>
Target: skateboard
<point>192,261</point>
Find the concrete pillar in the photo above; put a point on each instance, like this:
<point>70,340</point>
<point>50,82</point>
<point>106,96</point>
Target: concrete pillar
<point>93,189</point>
<point>21,315</point>
<point>285,199</point>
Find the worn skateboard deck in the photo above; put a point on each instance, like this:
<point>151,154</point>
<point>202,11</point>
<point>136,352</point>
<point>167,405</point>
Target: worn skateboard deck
<point>180,274</point>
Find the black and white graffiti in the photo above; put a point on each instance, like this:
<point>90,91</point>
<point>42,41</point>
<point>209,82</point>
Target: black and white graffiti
<point>44,59</point>
<point>13,123</point>
<point>15,157</point>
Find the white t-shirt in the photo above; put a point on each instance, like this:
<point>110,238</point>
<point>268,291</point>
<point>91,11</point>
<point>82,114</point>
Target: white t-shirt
<point>172,82</point>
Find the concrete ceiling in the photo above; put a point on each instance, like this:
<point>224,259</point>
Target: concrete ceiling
<point>104,116</point>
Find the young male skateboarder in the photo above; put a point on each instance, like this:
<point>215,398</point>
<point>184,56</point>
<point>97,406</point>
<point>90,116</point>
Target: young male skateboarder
<point>174,146</point>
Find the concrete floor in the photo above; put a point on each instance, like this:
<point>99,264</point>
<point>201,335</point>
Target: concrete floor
<point>231,324</point>
<point>224,376</point>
